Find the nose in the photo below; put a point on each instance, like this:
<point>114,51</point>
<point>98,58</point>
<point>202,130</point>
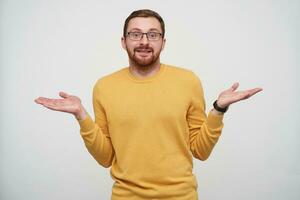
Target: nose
<point>144,39</point>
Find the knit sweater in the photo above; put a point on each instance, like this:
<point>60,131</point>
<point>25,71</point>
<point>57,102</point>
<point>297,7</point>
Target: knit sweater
<point>148,130</point>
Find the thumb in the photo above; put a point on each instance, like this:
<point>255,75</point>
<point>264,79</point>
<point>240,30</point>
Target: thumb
<point>234,86</point>
<point>63,95</point>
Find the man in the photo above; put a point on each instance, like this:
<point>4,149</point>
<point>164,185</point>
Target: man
<point>149,118</point>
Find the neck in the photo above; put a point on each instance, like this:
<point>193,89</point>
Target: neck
<point>144,71</point>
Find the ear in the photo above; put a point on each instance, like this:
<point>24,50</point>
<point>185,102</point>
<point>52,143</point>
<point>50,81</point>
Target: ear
<point>163,44</point>
<point>123,42</point>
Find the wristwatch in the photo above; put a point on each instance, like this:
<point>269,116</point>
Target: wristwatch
<point>223,110</point>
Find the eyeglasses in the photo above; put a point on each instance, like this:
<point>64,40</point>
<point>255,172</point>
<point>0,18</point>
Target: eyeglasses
<point>151,36</point>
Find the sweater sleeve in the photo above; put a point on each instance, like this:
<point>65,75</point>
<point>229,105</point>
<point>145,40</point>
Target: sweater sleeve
<point>204,131</point>
<point>95,134</point>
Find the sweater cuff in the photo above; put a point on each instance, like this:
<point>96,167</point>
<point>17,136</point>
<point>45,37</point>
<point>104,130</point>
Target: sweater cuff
<point>214,121</point>
<point>86,124</point>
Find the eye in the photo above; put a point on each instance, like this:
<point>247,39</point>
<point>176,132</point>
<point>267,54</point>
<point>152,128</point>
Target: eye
<point>136,34</point>
<point>152,34</point>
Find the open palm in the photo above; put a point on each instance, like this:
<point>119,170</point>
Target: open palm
<point>230,95</point>
<point>68,103</point>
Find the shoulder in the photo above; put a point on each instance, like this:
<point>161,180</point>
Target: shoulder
<point>181,73</point>
<point>111,79</point>
<point>177,69</point>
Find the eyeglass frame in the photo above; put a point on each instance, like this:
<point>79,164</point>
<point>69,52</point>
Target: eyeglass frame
<point>159,34</point>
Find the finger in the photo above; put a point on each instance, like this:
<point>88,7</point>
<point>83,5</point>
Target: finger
<point>254,91</point>
<point>41,100</point>
<point>49,102</point>
<point>51,107</point>
<point>247,93</point>
<point>55,104</point>
<point>63,95</point>
<point>37,100</point>
<point>234,86</point>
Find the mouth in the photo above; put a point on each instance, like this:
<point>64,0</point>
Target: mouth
<point>143,52</point>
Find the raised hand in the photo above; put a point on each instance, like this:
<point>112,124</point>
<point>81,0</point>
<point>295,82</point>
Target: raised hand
<point>68,103</point>
<point>230,95</point>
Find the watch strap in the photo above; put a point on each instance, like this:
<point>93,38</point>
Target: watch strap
<point>223,110</point>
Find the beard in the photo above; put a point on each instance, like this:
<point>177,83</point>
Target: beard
<point>143,61</point>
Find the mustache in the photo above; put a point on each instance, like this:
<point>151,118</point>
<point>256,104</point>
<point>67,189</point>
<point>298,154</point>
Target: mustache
<point>143,48</point>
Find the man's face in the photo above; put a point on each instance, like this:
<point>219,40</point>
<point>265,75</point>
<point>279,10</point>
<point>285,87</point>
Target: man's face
<point>143,52</point>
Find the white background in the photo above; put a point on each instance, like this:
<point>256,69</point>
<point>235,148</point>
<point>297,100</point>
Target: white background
<point>52,46</point>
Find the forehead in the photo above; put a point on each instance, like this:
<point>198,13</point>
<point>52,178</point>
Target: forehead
<point>144,24</point>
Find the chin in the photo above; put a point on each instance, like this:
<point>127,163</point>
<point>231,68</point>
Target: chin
<point>144,63</point>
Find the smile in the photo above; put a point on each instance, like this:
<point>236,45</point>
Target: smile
<point>143,50</point>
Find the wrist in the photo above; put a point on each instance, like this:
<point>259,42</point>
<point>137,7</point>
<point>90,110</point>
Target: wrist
<point>80,114</point>
<point>219,108</point>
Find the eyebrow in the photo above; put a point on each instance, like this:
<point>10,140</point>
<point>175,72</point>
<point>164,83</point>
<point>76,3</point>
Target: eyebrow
<point>154,29</point>
<point>137,29</point>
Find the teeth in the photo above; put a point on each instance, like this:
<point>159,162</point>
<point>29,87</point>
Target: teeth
<point>143,50</point>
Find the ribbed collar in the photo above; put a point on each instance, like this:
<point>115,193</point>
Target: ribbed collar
<point>146,79</point>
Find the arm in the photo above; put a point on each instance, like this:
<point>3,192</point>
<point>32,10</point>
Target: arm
<point>205,131</point>
<point>94,134</point>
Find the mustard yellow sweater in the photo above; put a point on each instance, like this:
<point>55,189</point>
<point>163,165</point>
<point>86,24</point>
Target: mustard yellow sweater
<point>148,129</point>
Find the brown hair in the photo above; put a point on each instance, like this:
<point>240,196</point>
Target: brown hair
<point>144,13</point>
